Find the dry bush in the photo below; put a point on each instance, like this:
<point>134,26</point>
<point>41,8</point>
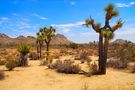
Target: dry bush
<point>67,66</point>
<point>33,56</point>
<point>2,62</point>
<point>2,75</point>
<point>133,69</point>
<point>84,56</point>
<point>11,64</point>
<point>93,68</point>
<point>119,64</point>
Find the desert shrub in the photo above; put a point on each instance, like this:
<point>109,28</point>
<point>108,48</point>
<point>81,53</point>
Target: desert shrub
<point>66,66</point>
<point>93,68</point>
<point>133,69</point>
<point>55,65</point>
<point>73,45</point>
<point>117,63</point>
<point>2,75</point>
<point>11,64</point>
<point>2,62</point>
<point>84,56</point>
<point>33,56</point>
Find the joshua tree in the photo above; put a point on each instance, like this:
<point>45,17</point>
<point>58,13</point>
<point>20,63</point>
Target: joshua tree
<point>39,42</point>
<point>47,34</point>
<point>105,33</point>
<point>24,50</point>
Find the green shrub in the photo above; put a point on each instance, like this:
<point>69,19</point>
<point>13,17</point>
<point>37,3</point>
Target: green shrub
<point>66,67</point>
<point>11,64</point>
<point>2,75</point>
<point>73,45</point>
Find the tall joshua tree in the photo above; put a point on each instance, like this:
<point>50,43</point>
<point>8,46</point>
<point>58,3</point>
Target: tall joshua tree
<point>39,42</point>
<point>105,32</point>
<point>47,34</point>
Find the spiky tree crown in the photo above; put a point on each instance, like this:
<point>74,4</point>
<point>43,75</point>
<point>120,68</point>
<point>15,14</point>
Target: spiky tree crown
<point>47,33</point>
<point>111,12</point>
<point>40,39</point>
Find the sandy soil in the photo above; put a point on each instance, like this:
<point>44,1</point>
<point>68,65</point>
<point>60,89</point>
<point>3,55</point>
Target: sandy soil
<point>37,77</point>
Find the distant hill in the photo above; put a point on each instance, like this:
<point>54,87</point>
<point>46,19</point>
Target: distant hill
<point>121,41</point>
<point>6,40</point>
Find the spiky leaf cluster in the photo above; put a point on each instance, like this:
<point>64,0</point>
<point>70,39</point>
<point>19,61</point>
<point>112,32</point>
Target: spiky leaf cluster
<point>47,33</point>
<point>118,25</point>
<point>23,49</point>
<point>111,12</point>
<point>107,34</point>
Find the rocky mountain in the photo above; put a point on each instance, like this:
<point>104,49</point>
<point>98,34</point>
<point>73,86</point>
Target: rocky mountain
<point>121,41</point>
<point>6,40</point>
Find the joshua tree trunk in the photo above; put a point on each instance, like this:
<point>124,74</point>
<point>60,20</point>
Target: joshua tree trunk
<point>40,52</point>
<point>47,49</point>
<point>100,62</point>
<point>106,42</point>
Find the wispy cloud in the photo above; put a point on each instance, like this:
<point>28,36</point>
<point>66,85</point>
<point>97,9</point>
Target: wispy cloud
<point>72,3</point>
<point>15,14</point>
<point>4,18</point>
<point>80,23</point>
<point>125,4</point>
<point>39,16</point>
<point>66,30</point>
<point>129,31</point>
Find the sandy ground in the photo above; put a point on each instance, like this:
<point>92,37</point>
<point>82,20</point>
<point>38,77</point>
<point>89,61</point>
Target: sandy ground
<point>37,77</point>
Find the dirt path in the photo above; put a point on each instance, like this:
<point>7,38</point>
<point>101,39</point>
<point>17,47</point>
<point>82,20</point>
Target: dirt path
<point>37,77</point>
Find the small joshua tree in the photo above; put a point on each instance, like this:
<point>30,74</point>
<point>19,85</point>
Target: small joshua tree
<point>39,43</point>
<point>47,34</point>
<point>105,32</point>
<point>24,49</point>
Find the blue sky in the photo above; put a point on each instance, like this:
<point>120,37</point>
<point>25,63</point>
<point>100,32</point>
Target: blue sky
<point>25,17</point>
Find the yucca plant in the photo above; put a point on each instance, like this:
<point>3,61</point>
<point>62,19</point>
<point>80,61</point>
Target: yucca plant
<point>23,49</point>
<point>106,33</point>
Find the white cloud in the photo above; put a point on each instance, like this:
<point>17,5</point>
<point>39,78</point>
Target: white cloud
<point>39,16</point>
<point>125,4</point>
<point>80,23</point>
<point>15,14</point>
<point>128,31</point>
<point>72,3</point>
<point>66,30</point>
<point>4,18</point>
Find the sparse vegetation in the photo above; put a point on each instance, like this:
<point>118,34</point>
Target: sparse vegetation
<point>11,64</point>
<point>73,45</point>
<point>24,49</point>
<point>67,66</point>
